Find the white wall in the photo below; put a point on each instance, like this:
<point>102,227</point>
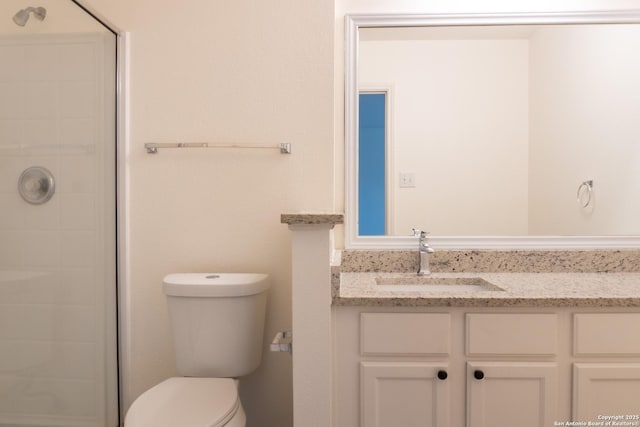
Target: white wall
<point>233,71</point>
<point>584,126</point>
<point>462,102</point>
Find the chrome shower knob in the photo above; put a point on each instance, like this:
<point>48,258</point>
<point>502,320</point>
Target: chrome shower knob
<point>36,185</point>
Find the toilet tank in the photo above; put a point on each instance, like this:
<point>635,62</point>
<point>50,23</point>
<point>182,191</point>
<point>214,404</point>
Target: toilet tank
<point>217,321</point>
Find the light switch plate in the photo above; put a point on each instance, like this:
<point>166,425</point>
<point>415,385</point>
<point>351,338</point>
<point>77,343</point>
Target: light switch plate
<point>407,180</point>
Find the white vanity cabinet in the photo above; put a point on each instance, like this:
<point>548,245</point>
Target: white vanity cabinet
<point>511,360</point>
<point>404,394</point>
<point>606,373</point>
<point>456,367</point>
<point>398,392</point>
<point>511,394</point>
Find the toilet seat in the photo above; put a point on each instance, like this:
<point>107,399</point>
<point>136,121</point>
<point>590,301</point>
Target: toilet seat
<point>186,402</point>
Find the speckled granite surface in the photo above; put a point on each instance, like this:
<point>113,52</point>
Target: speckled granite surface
<point>589,278</point>
<point>518,290</point>
<point>531,278</point>
<point>493,261</point>
<point>311,218</point>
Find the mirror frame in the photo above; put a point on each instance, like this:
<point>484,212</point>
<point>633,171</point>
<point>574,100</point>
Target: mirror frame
<point>352,25</point>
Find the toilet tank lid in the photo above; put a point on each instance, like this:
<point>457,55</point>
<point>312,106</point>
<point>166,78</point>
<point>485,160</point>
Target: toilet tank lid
<point>215,284</point>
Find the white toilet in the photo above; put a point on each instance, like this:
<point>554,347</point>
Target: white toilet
<point>218,323</point>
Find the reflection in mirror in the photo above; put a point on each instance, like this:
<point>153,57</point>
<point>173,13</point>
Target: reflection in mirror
<point>495,130</point>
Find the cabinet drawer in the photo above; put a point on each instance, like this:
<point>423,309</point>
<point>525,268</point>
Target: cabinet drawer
<point>613,334</point>
<point>511,334</point>
<point>405,333</point>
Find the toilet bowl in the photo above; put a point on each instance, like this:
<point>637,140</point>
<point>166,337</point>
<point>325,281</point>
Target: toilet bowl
<point>217,323</point>
<point>180,401</point>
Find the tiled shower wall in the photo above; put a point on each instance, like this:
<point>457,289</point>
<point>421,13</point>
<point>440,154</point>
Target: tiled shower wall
<point>56,279</point>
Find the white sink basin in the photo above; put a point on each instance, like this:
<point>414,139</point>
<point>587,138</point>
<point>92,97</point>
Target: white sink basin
<point>435,284</point>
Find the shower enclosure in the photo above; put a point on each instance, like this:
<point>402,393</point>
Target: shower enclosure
<point>58,320</point>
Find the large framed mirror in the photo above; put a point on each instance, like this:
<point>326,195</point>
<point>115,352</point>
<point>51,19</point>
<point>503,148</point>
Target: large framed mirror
<point>493,131</point>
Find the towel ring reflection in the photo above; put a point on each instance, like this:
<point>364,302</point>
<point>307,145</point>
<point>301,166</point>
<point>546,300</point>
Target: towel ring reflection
<point>584,193</point>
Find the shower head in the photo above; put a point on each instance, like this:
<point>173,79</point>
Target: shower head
<point>22,16</point>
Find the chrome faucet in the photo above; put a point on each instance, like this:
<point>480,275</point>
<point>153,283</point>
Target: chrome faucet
<point>423,252</point>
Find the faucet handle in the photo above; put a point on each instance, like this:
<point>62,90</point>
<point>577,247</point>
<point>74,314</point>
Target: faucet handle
<point>419,233</point>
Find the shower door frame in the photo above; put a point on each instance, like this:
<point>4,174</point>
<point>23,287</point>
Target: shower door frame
<point>122,209</point>
<point>122,225</point>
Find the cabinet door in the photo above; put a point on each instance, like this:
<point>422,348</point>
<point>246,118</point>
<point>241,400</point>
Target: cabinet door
<point>511,394</point>
<point>606,389</point>
<point>404,394</point>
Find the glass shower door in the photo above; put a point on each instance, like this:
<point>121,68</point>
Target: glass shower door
<point>58,352</point>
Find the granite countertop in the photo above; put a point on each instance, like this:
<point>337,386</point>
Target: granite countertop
<point>519,290</point>
<point>312,218</point>
<point>526,278</point>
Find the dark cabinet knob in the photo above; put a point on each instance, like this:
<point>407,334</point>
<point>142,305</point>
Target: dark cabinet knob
<point>442,375</point>
<point>478,375</point>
